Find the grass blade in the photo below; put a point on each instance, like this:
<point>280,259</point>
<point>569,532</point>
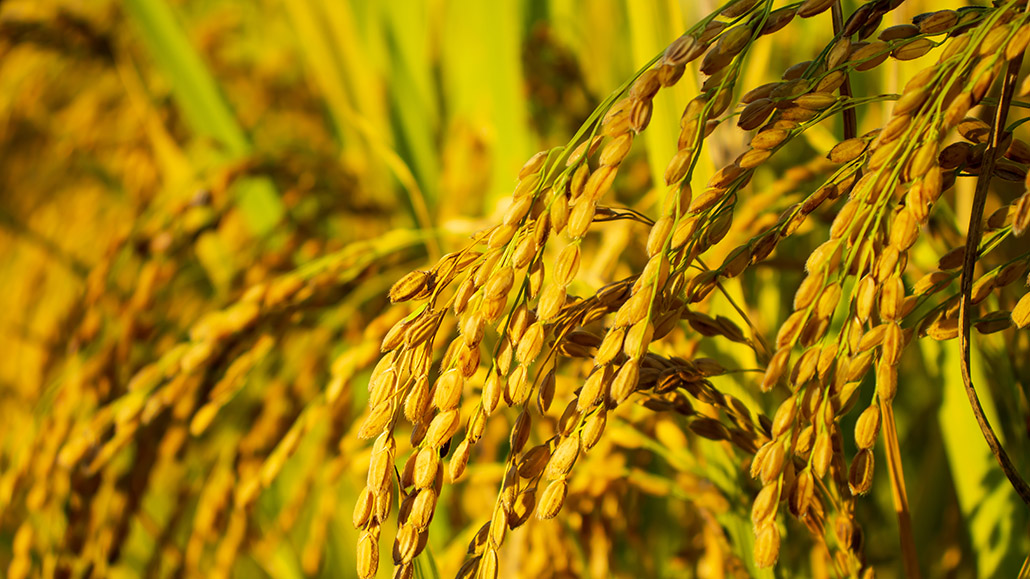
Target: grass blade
<point>197,94</point>
<point>992,512</point>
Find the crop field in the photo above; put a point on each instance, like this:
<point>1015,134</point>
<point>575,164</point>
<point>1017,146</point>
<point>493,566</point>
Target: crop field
<point>514,289</point>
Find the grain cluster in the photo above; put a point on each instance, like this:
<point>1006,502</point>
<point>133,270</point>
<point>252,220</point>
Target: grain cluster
<point>508,331</point>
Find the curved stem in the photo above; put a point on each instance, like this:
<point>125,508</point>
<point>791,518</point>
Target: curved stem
<point>972,245</point>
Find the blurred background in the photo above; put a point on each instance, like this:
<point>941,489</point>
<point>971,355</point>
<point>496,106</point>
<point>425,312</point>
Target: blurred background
<point>163,158</point>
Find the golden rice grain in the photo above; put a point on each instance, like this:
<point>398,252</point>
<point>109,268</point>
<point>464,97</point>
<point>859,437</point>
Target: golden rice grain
<point>488,564</point>
<point>790,329</point>
<point>1021,215</point>
<point>913,50</point>
<point>611,346</point>
<point>493,387</point>
<point>680,50</point>
<point>753,158</point>
<point>822,454</point>
<point>847,151</point>
<point>938,22</point>
<point>767,540</point>
<point>777,19</point>
<point>953,259</point>
<point>805,368</point>
<point>709,428</point>
<point>893,342</point>
<point>1018,43</point>
<point>553,498</point>
<point>581,217</point>
<point>522,509</point>
<point>816,101</point>
<point>534,461</point>
<point>763,510</point>
<point>756,463</point>
<point>760,92</point>
<point>899,31</point>
<point>831,81</point>
<point>562,459</point>
<point>599,182</point>
<point>809,290</point>
<point>593,428</point>
<point>769,139</point>
<point>367,556</point>
<point>519,387</point>
<point>459,460</point>
<point>794,72</point>
<point>772,465</point>
<point>725,176</point>
<point>886,263</point>
<point>442,427</point>
<point>892,294</point>
<point>708,199</point>
<point>810,8</point>
<point>784,417</point>
<point>868,427</point>
<point>860,475</point>
<point>755,113</point>
<point>678,166</point>
<point>530,344</point>
<point>803,493</point>
<point>377,419</point>
<point>520,432</point>
<point>958,109</point>
<point>983,287</point>
<point>886,381</point>
<point>943,328</point>
<point>640,115</point>
<point>427,465</point>
<point>363,508</point>
<point>739,8</point>
<point>406,544</point>
<point>869,56</point>
<point>634,309</point>
<point>658,235</point>
<point>545,393</point>
<point>1021,313</point>
<point>448,389</point>
<point>637,338</point>
<point>712,29</point>
<point>552,300</point>
<point>646,86</point>
<point>777,366</point>
<point>625,381</point>
<point>994,40</point>
<point>595,388</point>
<point>533,165</point>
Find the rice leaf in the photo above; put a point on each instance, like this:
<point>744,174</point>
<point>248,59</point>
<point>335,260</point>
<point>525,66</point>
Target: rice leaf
<point>994,517</point>
<point>198,95</point>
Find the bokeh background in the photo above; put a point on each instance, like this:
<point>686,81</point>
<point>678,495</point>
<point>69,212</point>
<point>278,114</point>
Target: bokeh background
<point>161,159</point>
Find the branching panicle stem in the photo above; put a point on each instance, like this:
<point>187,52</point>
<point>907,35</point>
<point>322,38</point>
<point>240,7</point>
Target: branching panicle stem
<point>973,236</point>
<point>850,116</point>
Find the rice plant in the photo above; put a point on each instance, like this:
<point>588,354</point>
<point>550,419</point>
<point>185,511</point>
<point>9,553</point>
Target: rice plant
<point>757,306</point>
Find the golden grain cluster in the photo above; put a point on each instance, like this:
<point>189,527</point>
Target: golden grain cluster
<point>889,180</point>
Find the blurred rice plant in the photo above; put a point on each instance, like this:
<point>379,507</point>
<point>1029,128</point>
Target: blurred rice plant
<point>204,204</point>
